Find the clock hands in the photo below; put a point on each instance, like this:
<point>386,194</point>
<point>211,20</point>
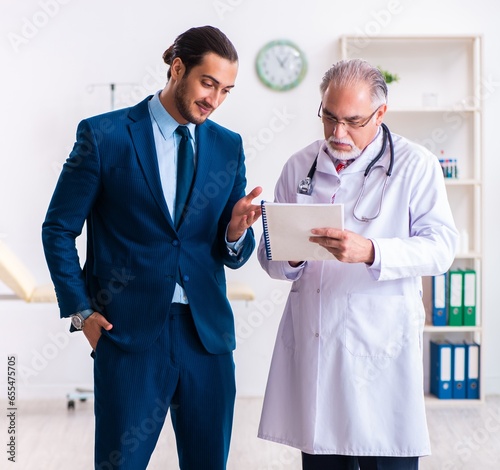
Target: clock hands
<point>282,60</point>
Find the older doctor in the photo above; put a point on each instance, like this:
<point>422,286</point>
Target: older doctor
<point>346,380</point>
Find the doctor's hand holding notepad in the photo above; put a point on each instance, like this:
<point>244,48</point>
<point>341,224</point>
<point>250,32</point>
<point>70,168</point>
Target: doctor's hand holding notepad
<point>311,232</point>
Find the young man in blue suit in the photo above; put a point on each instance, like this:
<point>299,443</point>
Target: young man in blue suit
<point>151,297</point>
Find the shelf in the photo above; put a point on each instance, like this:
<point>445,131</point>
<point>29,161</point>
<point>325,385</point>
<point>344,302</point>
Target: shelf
<point>418,38</point>
<point>470,255</point>
<point>432,400</point>
<point>452,329</point>
<point>436,110</point>
<point>461,182</point>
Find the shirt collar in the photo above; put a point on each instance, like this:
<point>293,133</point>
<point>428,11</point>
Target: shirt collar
<point>166,123</point>
<point>373,148</point>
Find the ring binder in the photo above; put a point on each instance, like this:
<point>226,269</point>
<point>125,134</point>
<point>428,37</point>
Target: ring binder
<point>469,297</point>
<point>439,317</point>
<point>455,292</point>
<point>472,370</point>
<point>441,369</point>
<point>267,243</point>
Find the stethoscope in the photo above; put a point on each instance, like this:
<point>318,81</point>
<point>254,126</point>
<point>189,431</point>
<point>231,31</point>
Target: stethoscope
<point>305,186</point>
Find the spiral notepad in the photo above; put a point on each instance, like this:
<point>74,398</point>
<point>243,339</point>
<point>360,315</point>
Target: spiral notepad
<point>287,229</point>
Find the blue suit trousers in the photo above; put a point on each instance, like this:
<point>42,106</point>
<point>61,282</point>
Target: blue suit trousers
<point>135,390</point>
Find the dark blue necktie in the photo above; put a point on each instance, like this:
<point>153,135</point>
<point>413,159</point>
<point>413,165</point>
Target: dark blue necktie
<point>185,173</point>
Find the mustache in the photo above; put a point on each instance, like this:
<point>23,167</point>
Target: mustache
<point>205,104</point>
<point>333,140</point>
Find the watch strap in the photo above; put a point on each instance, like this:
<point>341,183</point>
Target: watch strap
<point>86,313</point>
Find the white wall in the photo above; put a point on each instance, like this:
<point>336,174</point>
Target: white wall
<point>53,51</point>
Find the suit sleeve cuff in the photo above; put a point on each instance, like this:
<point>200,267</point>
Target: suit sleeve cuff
<point>86,313</point>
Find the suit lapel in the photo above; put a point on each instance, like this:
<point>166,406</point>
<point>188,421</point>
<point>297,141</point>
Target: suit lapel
<point>141,132</point>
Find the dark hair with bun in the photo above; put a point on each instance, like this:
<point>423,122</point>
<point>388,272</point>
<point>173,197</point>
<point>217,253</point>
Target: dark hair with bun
<point>192,45</point>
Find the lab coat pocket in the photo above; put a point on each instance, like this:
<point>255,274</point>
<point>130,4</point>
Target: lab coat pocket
<point>375,325</point>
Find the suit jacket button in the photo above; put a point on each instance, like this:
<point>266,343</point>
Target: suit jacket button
<point>176,243</point>
<point>185,278</point>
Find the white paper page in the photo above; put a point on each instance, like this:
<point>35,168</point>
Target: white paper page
<point>289,228</point>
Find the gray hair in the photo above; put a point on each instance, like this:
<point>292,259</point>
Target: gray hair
<point>349,72</point>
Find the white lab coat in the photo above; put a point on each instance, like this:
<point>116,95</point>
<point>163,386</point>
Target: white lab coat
<point>347,375</point>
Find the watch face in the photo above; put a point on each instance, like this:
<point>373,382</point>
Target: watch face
<point>77,322</point>
<point>281,65</point>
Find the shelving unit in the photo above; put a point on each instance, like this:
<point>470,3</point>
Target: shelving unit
<point>437,103</point>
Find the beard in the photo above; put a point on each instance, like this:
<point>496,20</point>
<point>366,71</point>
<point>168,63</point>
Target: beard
<point>355,152</point>
<point>183,105</point>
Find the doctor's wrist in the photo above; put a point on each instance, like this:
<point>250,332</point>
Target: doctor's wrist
<point>371,254</point>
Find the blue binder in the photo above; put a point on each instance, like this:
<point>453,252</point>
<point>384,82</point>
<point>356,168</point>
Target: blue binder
<point>472,356</point>
<point>458,371</point>
<point>439,317</point>
<point>441,369</point>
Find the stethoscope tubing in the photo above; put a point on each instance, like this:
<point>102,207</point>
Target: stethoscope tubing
<point>305,185</point>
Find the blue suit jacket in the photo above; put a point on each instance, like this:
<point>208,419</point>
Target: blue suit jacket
<point>111,180</point>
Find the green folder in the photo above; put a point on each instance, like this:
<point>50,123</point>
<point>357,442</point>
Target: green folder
<point>455,298</point>
<point>469,297</point>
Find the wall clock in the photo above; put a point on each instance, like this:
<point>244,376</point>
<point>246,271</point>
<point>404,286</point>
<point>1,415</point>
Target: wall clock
<point>281,65</point>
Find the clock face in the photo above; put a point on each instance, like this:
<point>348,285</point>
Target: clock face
<point>281,65</point>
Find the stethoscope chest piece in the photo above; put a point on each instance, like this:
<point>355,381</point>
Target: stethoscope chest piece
<point>305,186</point>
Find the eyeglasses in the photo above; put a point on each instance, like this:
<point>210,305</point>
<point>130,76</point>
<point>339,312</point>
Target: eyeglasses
<point>352,125</point>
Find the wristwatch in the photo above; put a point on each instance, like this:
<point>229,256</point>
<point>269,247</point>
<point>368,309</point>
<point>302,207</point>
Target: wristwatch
<point>78,319</point>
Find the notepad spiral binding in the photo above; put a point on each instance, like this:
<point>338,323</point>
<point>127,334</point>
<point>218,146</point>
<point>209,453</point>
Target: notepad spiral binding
<point>267,242</point>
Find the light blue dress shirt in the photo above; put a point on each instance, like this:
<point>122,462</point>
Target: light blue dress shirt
<point>166,144</point>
